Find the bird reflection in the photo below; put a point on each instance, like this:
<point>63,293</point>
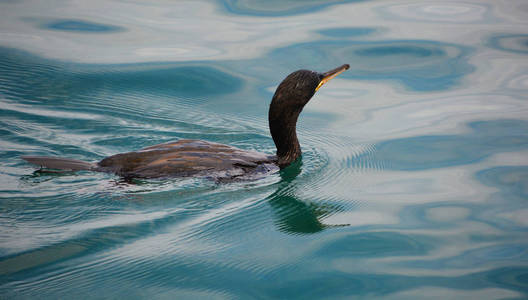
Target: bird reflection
<point>293,215</point>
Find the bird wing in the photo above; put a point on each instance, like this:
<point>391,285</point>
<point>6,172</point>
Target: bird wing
<point>184,158</point>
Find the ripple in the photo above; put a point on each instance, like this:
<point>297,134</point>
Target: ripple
<point>341,165</point>
<point>365,214</point>
<point>319,187</point>
<point>342,32</point>
<point>55,80</point>
<point>9,107</point>
<point>412,51</point>
<point>514,43</point>
<point>181,52</point>
<point>511,180</point>
<point>301,202</point>
<point>427,152</point>
<point>374,244</point>
<point>509,209</point>
<point>518,82</point>
<point>275,8</point>
<point>451,293</point>
<point>171,80</point>
<point>420,65</point>
<point>80,26</point>
<point>446,12</point>
<point>448,213</point>
<point>73,109</point>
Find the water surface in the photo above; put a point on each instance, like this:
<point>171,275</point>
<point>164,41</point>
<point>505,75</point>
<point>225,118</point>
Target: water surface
<point>414,177</point>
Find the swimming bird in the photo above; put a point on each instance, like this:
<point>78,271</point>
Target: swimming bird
<point>184,158</point>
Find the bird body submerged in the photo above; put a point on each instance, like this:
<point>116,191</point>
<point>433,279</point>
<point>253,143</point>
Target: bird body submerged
<point>186,158</point>
<point>182,158</point>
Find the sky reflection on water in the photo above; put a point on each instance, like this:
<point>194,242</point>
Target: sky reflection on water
<point>414,177</point>
<point>79,26</point>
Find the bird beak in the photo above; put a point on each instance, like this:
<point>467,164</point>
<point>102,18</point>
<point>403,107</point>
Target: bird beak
<point>331,74</point>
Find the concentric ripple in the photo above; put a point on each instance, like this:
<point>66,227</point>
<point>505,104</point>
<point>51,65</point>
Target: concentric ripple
<point>515,43</point>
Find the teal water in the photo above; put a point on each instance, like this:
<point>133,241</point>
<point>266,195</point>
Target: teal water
<point>414,177</point>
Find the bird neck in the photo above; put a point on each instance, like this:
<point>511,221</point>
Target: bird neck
<point>282,124</point>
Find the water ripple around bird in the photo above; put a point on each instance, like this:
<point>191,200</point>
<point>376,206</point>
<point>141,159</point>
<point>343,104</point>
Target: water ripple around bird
<point>413,179</point>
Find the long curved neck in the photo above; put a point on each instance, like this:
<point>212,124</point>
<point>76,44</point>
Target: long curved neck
<point>282,124</point>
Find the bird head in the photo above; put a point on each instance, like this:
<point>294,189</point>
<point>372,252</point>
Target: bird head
<point>300,86</point>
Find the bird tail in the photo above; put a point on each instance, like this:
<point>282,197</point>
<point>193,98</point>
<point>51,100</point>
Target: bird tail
<point>59,163</point>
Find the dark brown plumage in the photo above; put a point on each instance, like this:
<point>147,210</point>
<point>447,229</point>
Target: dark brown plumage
<point>201,158</point>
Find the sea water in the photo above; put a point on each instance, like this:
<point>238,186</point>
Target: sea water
<point>413,182</point>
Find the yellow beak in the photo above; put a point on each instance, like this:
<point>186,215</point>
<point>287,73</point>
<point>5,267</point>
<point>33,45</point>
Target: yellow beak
<point>331,74</point>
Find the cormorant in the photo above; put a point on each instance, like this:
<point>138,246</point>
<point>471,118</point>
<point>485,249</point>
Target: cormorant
<point>184,158</point>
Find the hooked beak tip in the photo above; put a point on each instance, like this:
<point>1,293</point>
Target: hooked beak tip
<point>331,74</point>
